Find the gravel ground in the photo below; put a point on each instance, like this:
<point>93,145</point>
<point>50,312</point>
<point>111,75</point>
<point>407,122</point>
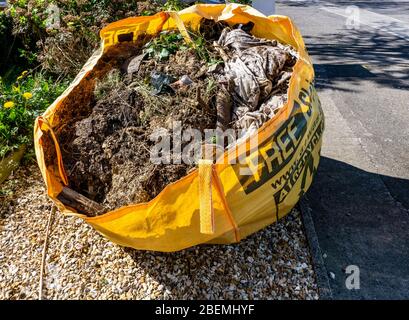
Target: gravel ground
<point>81,264</point>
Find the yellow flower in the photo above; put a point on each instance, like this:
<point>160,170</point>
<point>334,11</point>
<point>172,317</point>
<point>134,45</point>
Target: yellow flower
<point>27,95</point>
<point>24,73</point>
<point>9,104</point>
<point>19,78</point>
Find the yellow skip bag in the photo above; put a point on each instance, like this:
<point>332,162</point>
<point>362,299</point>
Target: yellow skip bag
<point>214,204</point>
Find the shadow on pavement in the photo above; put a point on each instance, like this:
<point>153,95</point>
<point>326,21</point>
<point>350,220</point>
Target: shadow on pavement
<point>362,219</point>
<point>328,76</point>
<point>358,54</point>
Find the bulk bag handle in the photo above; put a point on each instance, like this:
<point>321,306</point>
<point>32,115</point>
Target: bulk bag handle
<point>45,126</point>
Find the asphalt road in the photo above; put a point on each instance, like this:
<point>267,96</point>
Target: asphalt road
<point>359,202</point>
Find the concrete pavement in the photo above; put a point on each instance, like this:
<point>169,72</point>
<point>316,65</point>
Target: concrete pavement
<point>357,211</point>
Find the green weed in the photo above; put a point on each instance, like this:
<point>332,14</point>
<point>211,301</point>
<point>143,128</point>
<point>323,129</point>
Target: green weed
<point>20,103</point>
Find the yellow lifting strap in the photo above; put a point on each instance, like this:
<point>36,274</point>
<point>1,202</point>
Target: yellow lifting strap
<point>205,194</point>
<point>181,26</point>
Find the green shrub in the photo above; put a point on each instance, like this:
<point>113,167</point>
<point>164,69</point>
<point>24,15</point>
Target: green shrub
<point>20,103</point>
<point>8,44</point>
<point>173,5</point>
<point>63,49</point>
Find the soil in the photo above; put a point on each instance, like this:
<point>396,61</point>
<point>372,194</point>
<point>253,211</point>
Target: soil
<point>107,156</point>
<point>106,153</point>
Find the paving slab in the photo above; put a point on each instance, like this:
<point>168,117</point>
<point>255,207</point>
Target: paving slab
<point>356,212</point>
<point>353,219</point>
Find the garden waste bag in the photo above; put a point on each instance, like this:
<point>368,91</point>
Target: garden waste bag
<point>216,203</point>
